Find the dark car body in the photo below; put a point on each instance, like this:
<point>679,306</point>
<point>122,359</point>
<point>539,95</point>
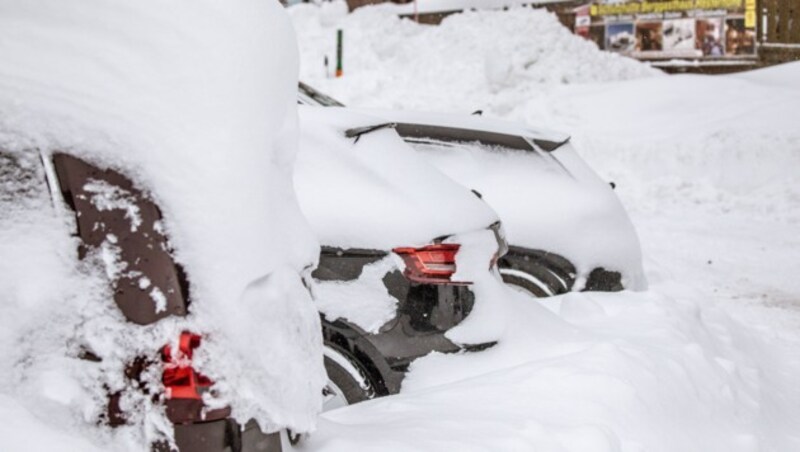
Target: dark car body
<point>425,312</point>
<point>401,257</point>
<point>534,264</point>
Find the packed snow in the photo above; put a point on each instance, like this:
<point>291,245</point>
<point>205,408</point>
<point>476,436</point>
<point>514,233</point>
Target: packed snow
<point>705,359</point>
<point>196,104</point>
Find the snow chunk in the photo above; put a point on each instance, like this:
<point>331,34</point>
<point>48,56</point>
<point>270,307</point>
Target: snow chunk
<point>159,299</point>
<point>364,301</point>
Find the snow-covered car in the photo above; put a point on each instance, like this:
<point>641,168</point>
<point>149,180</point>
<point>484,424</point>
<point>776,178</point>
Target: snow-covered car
<point>566,228</point>
<point>121,228</point>
<point>152,292</point>
<point>122,225</point>
<point>400,245</point>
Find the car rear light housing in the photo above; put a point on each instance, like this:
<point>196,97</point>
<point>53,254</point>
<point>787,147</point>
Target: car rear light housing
<point>432,264</point>
<point>180,379</point>
<point>184,386</point>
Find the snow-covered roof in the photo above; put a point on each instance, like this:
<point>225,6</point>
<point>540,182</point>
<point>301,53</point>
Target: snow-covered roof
<point>377,192</point>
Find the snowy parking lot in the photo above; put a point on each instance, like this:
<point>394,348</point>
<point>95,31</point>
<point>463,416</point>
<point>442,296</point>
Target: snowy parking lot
<point>704,360</point>
<point>197,254</point>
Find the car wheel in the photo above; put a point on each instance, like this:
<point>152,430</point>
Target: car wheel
<point>525,283</point>
<point>347,382</point>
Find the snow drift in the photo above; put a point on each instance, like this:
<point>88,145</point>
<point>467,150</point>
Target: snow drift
<point>488,60</point>
<point>194,101</point>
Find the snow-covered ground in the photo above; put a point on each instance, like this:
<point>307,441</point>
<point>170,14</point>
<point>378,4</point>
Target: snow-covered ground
<point>706,359</point>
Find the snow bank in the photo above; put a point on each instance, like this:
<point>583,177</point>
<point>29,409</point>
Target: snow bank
<point>196,103</point>
<point>487,60</point>
<point>729,143</point>
<point>603,372</point>
<point>377,193</point>
<point>783,75</point>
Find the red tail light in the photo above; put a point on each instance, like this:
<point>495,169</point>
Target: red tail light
<point>433,264</point>
<point>180,380</point>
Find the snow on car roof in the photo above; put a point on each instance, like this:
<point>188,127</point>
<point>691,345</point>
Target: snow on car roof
<point>376,193</point>
<point>472,122</point>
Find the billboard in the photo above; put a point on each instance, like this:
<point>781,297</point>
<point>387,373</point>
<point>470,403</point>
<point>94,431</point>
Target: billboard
<point>666,29</point>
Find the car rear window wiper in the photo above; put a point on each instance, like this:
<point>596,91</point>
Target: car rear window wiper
<point>356,132</point>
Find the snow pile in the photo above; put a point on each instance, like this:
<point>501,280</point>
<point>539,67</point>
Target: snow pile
<point>376,193</point>
<point>194,102</point>
<point>603,372</point>
<point>475,60</point>
<point>542,206</point>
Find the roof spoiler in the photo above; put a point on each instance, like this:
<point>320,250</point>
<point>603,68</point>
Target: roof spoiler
<point>415,132</point>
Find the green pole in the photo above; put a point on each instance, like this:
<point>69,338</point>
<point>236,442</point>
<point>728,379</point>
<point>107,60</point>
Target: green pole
<point>339,39</point>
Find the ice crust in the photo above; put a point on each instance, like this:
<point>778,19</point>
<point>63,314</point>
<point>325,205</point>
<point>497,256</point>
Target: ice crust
<point>195,102</point>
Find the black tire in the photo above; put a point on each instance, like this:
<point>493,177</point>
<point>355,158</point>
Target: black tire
<point>355,388</point>
<point>524,285</point>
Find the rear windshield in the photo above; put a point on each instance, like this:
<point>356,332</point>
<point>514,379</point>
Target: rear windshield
<point>22,182</point>
<point>121,224</point>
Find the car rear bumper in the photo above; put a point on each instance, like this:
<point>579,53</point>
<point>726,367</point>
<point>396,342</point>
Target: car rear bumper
<point>222,436</point>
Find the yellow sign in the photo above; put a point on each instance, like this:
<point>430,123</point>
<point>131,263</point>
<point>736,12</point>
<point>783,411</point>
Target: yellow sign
<point>750,19</point>
<point>647,7</point>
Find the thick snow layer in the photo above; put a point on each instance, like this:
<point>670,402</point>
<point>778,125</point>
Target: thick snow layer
<point>489,59</point>
<point>706,359</point>
<point>606,372</point>
<point>573,214</point>
<point>195,101</point>
<point>376,193</point>
<point>784,75</point>
<point>364,302</point>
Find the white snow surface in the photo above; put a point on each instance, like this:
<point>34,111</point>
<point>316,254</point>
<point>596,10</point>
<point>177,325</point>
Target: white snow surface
<point>194,101</point>
<point>573,214</point>
<point>364,301</point>
<point>705,359</point>
<point>377,193</point>
<point>490,60</point>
